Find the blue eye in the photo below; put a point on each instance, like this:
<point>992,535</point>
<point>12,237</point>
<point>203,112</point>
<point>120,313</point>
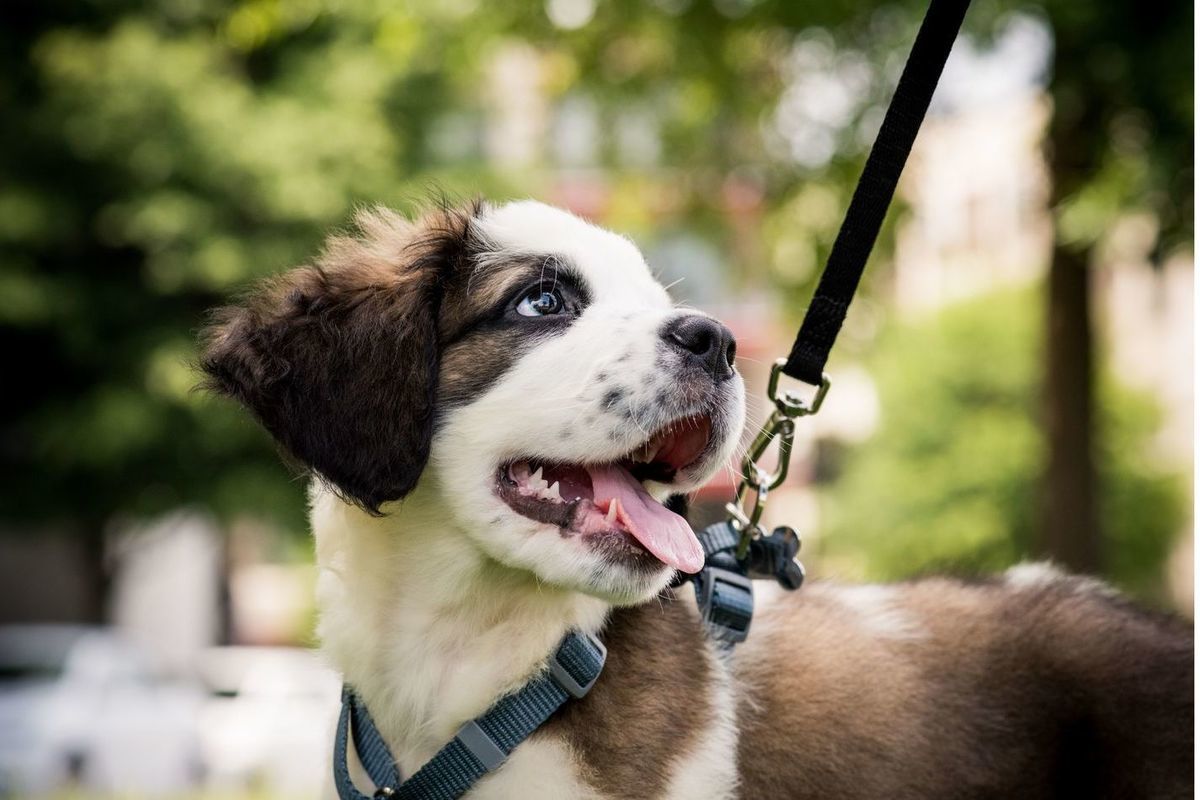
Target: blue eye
<point>540,303</point>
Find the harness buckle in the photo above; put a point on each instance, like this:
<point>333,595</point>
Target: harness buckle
<point>477,742</point>
<point>726,602</point>
<point>560,672</point>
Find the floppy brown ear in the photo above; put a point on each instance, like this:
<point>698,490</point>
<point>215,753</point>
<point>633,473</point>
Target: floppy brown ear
<point>339,361</point>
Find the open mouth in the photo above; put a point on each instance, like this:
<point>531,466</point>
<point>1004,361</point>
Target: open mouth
<point>608,502</point>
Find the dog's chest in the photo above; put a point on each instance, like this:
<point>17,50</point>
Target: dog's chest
<point>658,724</point>
<point>660,721</point>
<point>548,768</point>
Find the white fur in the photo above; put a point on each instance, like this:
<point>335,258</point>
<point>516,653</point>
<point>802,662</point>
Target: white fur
<point>551,405</point>
<point>710,769</point>
<point>612,264</point>
<point>876,611</point>
<point>1032,575</point>
<point>451,599</point>
<point>538,770</point>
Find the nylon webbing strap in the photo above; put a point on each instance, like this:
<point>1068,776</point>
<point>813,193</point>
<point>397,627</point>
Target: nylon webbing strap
<point>874,192</point>
<point>482,744</point>
<point>372,751</point>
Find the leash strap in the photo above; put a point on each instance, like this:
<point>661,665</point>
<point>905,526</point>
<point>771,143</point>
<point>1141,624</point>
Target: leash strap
<point>480,746</point>
<point>874,192</point>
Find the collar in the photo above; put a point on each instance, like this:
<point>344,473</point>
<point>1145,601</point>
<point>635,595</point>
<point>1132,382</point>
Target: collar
<point>481,745</point>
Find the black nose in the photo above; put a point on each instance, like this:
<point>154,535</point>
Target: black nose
<point>705,342</point>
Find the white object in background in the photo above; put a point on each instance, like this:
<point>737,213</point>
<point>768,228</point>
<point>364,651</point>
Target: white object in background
<point>81,705</point>
<point>269,719</point>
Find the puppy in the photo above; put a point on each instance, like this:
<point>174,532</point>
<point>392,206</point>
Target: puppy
<point>494,401</point>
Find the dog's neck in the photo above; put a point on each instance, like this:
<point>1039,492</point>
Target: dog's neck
<point>426,628</point>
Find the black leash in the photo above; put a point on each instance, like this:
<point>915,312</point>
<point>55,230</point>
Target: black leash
<point>874,192</point>
<point>740,548</point>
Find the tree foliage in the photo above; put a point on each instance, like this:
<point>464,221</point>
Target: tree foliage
<point>158,155</point>
<point>155,158</point>
<point>950,481</point>
<point>1121,138</point>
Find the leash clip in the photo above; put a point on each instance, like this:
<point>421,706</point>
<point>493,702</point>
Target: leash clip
<point>790,403</point>
<point>746,510</point>
<point>725,589</point>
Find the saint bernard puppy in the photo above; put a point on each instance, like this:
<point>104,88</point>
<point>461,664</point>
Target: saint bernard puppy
<point>495,401</point>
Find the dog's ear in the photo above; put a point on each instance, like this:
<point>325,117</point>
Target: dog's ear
<point>339,361</point>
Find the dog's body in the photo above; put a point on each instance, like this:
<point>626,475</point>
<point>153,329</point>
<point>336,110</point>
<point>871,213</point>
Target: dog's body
<point>428,373</point>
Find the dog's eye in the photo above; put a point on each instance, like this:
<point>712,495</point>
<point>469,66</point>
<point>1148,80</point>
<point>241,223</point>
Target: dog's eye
<point>540,302</point>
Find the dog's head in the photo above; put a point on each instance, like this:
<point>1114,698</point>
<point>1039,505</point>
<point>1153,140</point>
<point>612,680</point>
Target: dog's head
<point>522,365</point>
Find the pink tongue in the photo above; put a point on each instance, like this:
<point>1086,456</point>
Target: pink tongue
<point>661,531</point>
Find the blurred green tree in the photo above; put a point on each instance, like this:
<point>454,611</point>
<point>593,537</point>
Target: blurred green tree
<point>154,157</point>
<point>1120,141</point>
<point>157,155</point>
<point>950,480</point>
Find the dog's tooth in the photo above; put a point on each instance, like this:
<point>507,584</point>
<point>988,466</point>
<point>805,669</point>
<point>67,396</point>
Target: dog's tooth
<point>552,493</point>
<point>611,516</point>
<point>536,480</point>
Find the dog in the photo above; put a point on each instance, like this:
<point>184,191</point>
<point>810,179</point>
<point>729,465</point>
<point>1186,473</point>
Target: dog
<point>495,400</point>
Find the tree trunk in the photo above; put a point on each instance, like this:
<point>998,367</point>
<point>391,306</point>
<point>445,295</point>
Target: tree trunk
<point>1068,529</point>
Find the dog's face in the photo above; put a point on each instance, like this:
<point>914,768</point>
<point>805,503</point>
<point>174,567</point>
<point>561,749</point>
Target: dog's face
<point>522,365</point>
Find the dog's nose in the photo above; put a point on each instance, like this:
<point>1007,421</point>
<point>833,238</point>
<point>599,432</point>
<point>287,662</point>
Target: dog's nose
<point>705,342</point>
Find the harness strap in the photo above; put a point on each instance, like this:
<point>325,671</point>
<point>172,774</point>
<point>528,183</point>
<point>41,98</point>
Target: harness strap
<point>869,205</point>
<point>481,745</point>
<point>372,751</point>
<point>724,591</point>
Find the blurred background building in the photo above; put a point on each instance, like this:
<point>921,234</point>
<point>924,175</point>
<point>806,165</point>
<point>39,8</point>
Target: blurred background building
<point>1015,380</point>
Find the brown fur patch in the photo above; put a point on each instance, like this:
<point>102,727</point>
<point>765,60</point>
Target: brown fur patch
<point>994,692</point>
<point>348,362</point>
<point>474,363</point>
<point>478,348</point>
<point>650,704</point>
<point>339,360</point>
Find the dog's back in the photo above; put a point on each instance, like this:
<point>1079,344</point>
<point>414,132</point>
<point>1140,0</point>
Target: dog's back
<point>1033,685</point>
